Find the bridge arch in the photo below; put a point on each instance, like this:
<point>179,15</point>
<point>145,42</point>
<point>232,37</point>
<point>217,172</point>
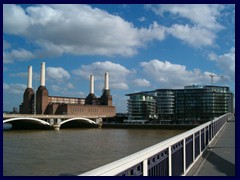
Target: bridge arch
<point>27,119</point>
<point>78,118</point>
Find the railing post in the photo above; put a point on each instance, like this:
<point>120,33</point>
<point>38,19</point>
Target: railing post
<point>145,167</point>
<point>193,147</point>
<point>200,141</point>
<point>184,155</point>
<point>205,137</point>
<point>169,161</point>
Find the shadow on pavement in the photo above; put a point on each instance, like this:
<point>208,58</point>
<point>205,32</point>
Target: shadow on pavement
<point>221,164</point>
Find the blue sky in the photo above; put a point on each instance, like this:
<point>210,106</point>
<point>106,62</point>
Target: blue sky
<point>143,47</point>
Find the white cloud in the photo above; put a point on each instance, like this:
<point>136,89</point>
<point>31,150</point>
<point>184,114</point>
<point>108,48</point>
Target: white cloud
<point>168,75</point>
<point>141,82</point>
<point>16,89</point>
<point>142,19</point>
<point>155,31</point>
<point>15,20</point>
<point>12,95</point>
<point>57,73</point>
<point>203,15</point>
<point>17,55</point>
<point>212,56</point>
<point>77,29</point>
<point>194,36</point>
<point>6,45</point>
<point>226,63</point>
<point>118,74</point>
<point>202,22</point>
<point>56,88</point>
<point>69,85</point>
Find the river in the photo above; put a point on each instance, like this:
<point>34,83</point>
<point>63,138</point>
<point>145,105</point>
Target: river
<point>72,151</point>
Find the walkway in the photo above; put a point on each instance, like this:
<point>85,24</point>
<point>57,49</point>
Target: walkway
<point>219,158</point>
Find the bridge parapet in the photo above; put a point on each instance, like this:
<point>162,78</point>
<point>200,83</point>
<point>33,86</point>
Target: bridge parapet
<point>172,157</point>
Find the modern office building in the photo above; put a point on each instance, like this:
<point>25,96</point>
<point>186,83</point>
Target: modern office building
<point>165,104</point>
<point>193,104</point>
<point>202,103</point>
<point>141,107</point>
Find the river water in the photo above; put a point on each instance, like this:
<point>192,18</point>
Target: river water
<point>72,151</point>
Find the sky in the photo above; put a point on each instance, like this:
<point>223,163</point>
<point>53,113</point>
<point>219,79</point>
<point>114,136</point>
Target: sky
<point>143,47</point>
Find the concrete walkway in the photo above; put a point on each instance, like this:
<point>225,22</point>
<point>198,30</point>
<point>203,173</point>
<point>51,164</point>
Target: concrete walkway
<point>219,158</point>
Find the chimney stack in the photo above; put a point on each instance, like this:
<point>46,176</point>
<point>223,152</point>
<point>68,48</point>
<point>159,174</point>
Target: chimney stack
<point>29,77</point>
<point>42,77</point>
<point>91,84</point>
<point>106,85</point>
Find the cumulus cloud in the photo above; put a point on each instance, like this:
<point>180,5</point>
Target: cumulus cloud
<point>203,15</point>
<point>16,89</point>
<point>118,74</point>
<point>77,29</point>
<point>17,55</point>
<point>6,45</point>
<point>142,19</point>
<point>194,36</point>
<point>57,73</point>
<point>15,20</point>
<point>141,82</point>
<point>168,75</point>
<point>226,62</point>
<point>203,18</point>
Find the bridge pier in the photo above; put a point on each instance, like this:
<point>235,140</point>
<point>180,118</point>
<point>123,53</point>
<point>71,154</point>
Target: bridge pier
<point>56,126</point>
<point>99,122</point>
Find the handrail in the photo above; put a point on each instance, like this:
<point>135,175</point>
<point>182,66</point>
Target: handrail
<point>207,132</point>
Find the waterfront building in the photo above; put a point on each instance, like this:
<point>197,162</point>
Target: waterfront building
<point>193,104</point>
<point>41,103</point>
<point>141,107</point>
<point>165,104</point>
<point>202,103</point>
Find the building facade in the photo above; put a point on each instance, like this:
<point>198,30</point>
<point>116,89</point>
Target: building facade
<point>141,107</point>
<point>193,104</point>
<point>52,105</point>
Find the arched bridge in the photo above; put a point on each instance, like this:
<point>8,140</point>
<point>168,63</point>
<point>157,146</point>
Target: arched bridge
<point>48,121</point>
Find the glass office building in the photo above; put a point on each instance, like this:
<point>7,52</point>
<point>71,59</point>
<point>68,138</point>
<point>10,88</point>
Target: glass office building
<point>141,107</point>
<point>202,103</point>
<point>193,104</point>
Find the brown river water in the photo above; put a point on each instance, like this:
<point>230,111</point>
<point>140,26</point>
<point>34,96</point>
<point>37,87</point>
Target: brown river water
<point>72,151</point>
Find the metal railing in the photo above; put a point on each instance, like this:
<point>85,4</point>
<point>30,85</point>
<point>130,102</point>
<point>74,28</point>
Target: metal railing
<point>172,157</point>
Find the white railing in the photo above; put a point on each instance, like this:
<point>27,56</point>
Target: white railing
<point>172,157</point>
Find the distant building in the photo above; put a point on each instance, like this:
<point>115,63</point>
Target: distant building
<point>141,107</point>
<point>193,104</point>
<point>45,104</point>
<point>15,110</point>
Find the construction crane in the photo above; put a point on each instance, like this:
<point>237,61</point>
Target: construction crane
<point>214,75</point>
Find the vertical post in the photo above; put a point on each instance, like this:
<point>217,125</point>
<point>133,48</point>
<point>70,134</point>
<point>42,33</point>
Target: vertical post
<point>193,147</point>
<point>200,143</point>
<point>205,137</point>
<point>184,155</point>
<point>145,167</point>
<point>169,161</point>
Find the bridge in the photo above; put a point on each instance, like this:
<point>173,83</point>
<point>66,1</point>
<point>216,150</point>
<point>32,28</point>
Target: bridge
<point>182,154</point>
<point>49,121</point>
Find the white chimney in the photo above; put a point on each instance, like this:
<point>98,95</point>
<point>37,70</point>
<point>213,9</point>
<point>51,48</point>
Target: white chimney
<point>91,84</point>
<point>42,77</point>
<point>29,77</point>
<point>106,85</point>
